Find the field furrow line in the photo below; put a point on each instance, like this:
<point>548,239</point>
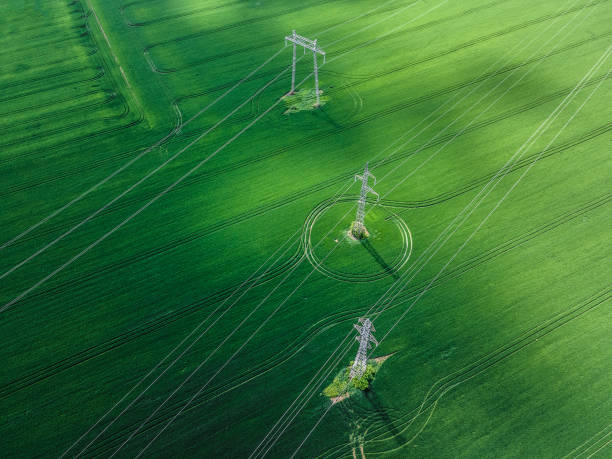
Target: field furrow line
<point>424,26</point>
<point>439,389</point>
<point>161,250</point>
<point>52,115</point>
<point>340,318</point>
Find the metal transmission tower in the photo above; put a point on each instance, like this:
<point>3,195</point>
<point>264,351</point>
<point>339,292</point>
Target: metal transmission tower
<point>365,339</point>
<point>358,229</point>
<point>305,43</point>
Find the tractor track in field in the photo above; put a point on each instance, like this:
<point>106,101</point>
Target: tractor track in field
<point>46,77</point>
<point>486,37</point>
<point>444,385</point>
<point>20,60</point>
<point>141,331</point>
<point>47,33</point>
<point>60,22</point>
<point>155,68</point>
<point>44,66</point>
<point>160,250</point>
<point>47,150</point>
<point>411,102</point>
<point>25,124</point>
<point>590,443</point>
<point>109,97</point>
<point>157,324</point>
<point>511,244</point>
<point>123,114</point>
<point>97,76</point>
<point>390,268</point>
<point>475,261</point>
<point>90,136</point>
<point>47,19</point>
<point>43,150</point>
<point>50,103</point>
<point>299,343</point>
<point>450,89</point>
<point>434,94</point>
<point>350,85</point>
<point>328,322</point>
<point>335,180</point>
<point>146,52</point>
<point>129,23</point>
<point>13,51</point>
<point>78,170</point>
<point>465,45</point>
<point>229,26</point>
<point>506,69</point>
<point>366,79</point>
<point>518,165</point>
<point>40,134</point>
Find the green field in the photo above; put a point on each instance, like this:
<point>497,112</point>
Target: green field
<point>175,276</point>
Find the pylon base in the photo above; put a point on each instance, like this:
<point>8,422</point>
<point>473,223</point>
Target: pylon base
<point>358,232</point>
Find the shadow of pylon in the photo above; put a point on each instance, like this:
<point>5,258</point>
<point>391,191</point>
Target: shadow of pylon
<point>385,266</point>
<point>371,396</point>
<point>322,113</point>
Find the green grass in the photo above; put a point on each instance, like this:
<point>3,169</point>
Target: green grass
<point>507,354</point>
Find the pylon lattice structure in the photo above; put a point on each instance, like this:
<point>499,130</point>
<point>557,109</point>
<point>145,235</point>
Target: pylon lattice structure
<point>365,339</point>
<point>358,229</point>
<point>311,45</point>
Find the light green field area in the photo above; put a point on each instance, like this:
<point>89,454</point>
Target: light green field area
<point>175,276</point>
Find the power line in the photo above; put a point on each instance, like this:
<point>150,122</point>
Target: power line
<point>546,123</point>
<point>299,262</point>
<point>414,264</point>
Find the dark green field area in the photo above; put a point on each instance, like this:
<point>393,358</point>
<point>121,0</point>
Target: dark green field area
<point>176,278</point>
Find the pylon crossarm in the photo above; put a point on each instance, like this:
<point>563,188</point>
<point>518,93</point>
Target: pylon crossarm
<point>305,43</point>
<point>303,38</point>
<point>371,191</point>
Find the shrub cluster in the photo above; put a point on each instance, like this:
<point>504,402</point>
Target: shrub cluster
<point>363,382</point>
<point>342,383</point>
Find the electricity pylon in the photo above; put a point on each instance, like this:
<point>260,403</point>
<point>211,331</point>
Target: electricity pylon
<point>365,339</point>
<point>305,43</point>
<point>358,229</point>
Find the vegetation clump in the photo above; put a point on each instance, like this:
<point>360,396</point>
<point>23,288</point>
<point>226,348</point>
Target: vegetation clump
<point>363,382</point>
<point>358,232</point>
<point>304,99</point>
<point>343,385</point>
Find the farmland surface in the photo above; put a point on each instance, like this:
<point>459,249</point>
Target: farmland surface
<point>176,278</point>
